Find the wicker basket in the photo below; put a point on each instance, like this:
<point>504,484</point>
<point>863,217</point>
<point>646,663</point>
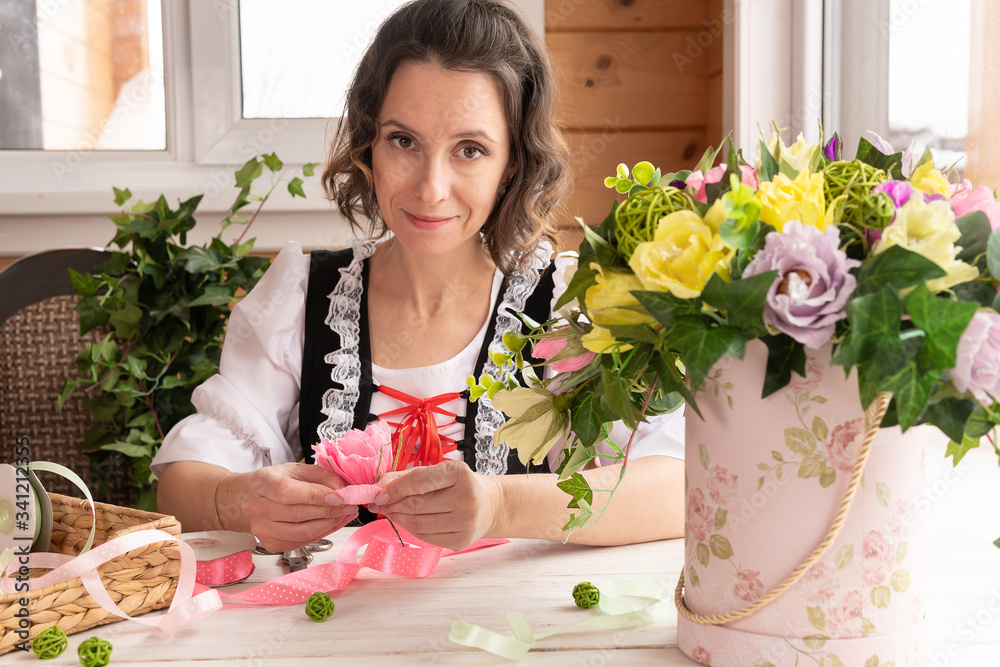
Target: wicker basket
<point>141,580</point>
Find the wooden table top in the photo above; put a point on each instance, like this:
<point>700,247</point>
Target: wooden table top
<point>385,620</point>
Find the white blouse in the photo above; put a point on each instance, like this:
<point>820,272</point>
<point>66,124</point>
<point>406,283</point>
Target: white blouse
<point>248,414</point>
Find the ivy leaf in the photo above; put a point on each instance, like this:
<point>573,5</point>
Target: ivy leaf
<point>891,164</point>
<point>309,168</point>
<point>84,284</point>
<point>950,415</point>
<point>943,321</point>
<point>272,162</point>
<point>578,487</point>
<point>700,346</point>
<point>616,396</point>
<point>670,379</point>
<point>121,196</point>
<point>958,450</point>
<point>911,388</point>
<point>667,308</point>
<point>213,295</point>
<point>895,269</point>
<point>784,355</point>
<point>246,174</point>
<point>128,449</point>
<point>768,166</point>
<point>295,187</point>
<point>577,521</point>
<point>588,415</point>
<point>741,300</point>
<point>975,228</point>
<point>126,320</point>
<point>199,260</point>
<point>91,314</point>
<point>574,459</point>
<point>873,342</point>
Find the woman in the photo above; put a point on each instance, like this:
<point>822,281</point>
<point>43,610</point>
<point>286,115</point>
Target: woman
<point>448,144</point>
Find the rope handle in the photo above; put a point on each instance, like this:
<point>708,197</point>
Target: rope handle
<point>873,419</point>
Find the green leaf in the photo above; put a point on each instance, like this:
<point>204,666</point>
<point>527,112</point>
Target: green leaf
<point>720,546</point>
<point>199,260</point>
<point>943,321</point>
<point>272,162</point>
<point>950,415</point>
<point>784,355</point>
<point>701,346</point>
<point>578,487</point>
<point>895,269</point>
<point>873,342</point>
<point>126,320</point>
<point>84,284</point>
<point>891,164</point>
<point>911,389</point>
<point>616,397</point>
<point>588,415</point>
<point>246,174</point>
<point>976,229</point>
<point>295,187</point>
<point>91,314</point>
<point>667,308</point>
<point>574,459</point>
<point>603,252</point>
<point>213,295</point>
<point>309,168</point>
<point>577,521</point>
<point>742,301</point>
<point>121,196</point>
<point>957,451</point>
<point>979,423</point>
<point>993,254</point>
<point>583,278</point>
<point>669,377</point>
<point>768,165</point>
<point>128,449</point>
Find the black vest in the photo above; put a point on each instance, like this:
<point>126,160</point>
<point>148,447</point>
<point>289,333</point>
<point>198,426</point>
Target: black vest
<point>324,274</point>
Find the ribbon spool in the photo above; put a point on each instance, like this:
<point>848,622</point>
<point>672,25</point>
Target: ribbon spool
<point>25,510</point>
<point>224,557</point>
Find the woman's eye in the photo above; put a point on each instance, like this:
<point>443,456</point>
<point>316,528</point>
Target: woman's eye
<point>401,141</point>
<point>472,152</point>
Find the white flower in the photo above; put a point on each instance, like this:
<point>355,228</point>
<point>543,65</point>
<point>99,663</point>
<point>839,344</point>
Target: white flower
<point>534,423</point>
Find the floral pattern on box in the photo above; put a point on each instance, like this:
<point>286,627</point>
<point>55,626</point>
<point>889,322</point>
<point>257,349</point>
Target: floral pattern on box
<point>764,479</point>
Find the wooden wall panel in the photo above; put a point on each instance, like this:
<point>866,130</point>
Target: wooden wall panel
<point>627,76</point>
<point>714,131</point>
<point>562,15</point>
<point>596,154</point>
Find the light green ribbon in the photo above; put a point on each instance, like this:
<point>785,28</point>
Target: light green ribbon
<point>62,471</point>
<point>615,614</point>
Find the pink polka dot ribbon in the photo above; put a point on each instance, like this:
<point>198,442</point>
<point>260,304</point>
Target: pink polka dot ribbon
<point>225,570</point>
<point>383,552</point>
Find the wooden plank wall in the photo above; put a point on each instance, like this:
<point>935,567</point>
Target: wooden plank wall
<point>639,80</point>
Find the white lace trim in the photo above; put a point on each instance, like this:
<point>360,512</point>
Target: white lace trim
<point>491,459</point>
<point>343,318</point>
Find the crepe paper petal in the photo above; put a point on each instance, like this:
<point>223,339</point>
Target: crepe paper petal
<point>359,494</point>
<point>616,614</point>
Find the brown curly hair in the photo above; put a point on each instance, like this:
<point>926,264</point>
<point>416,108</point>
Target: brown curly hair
<point>480,36</point>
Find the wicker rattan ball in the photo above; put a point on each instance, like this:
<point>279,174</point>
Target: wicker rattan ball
<point>319,606</point>
<point>50,643</point>
<point>586,595</point>
<point>94,652</point>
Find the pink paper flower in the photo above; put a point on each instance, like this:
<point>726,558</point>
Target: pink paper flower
<point>700,515</point>
<point>965,199</point>
<point>843,621</point>
<point>977,363</point>
<point>819,584</point>
<point>748,586</point>
<point>698,181</point>
<point>359,457</point>
<point>721,485</point>
<point>845,443</point>
<point>878,555</point>
<point>548,348</point>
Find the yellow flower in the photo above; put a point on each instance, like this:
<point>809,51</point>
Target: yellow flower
<point>534,425</point>
<point>609,302</point>
<point>783,199</point>
<point>683,255</point>
<point>799,155</point>
<point>929,229</point>
<point>600,340</point>
<point>930,180</point>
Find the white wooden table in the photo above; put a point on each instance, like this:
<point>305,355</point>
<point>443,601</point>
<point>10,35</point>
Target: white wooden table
<point>385,620</point>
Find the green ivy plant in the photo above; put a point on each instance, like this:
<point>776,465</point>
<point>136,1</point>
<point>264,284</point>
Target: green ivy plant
<point>164,305</point>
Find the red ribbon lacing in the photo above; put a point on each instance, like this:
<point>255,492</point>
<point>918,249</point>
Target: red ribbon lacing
<point>415,436</point>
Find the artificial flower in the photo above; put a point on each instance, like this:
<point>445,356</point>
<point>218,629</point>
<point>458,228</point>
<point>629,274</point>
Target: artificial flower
<point>928,229</point>
<point>809,295</point>
<point>697,182</point>
<point>684,253</point>
<point>600,340</point>
<point>359,457</point>
<point>965,199</point>
<point>783,199</point>
<point>898,191</point>
<point>930,180</point>
<point>564,354</point>
<point>610,302</point>
<point>977,363</point>
<point>534,423</point>
<point>799,156</point>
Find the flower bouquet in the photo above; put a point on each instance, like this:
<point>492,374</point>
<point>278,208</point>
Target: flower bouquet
<point>737,289</point>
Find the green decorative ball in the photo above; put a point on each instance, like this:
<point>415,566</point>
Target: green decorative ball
<point>94,652</point>
<point>319,607</point>
<point>586,595</point>
<point>50,643</point>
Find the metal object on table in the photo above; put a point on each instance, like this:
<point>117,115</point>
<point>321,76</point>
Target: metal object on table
<point>313,547</point>
<point>297,559</point>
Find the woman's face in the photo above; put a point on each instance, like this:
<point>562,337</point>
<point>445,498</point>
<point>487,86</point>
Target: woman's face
<point>442,150</point>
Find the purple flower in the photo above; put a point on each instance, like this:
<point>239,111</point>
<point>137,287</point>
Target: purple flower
<point>832,148</point>
<point>810,294</point>
<point>899,191</point>
<point>977,363</point>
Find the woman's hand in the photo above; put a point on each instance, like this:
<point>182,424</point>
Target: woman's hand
<point>445,504</point>
<point>292,504</point>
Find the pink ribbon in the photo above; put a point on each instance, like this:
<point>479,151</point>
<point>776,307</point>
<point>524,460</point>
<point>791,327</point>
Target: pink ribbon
<point>225,570</point>
<point>184,608</point>
<point>383,553</point>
